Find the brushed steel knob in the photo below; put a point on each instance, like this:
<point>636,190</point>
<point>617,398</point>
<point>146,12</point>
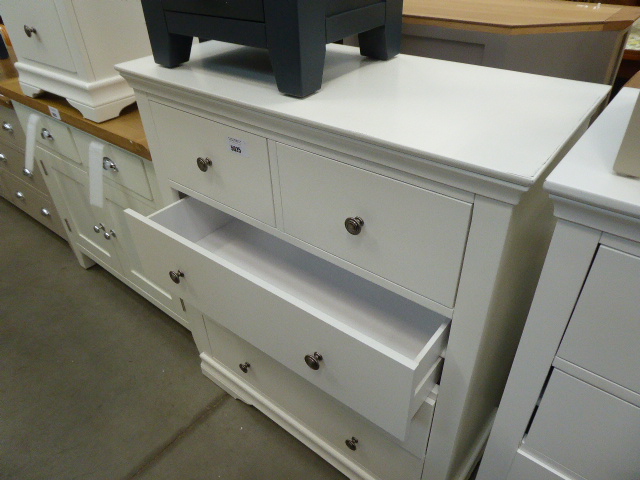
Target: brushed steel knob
<point>3,158</point>
<point>351,443</point>
<point>107,164</point>
<point>20,195</point>
<point>109,234</point>
<point>46,134</point>
<point>27,173</point>
<point>354,225</point>
<point>7,127</point>
<point>245,366</point>
<point>175,276</point>
<point>29,30</point>
<point>45,212</point>
<point>97,228</point>
<point>204,163</point>
<point>313,361</point>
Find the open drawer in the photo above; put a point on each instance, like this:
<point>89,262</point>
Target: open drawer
<point>373,350</point>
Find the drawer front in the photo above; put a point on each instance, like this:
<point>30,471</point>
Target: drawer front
<point>128,170</point>
<point>379,382</point>
<point>251,10</point>
<point>48,44</point>
<point>376,451</point>
<point>604,332</point>
<point>13,160</point>
<point>51,134</point>
<point>528,467</point>
<point>586,430</point>
<point>239,176</point>
<point>29,200</point>
<point>410,236</point>
<point>10,130</point>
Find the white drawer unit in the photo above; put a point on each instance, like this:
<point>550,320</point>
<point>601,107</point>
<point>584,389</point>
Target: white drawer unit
<point>358,267</point>
<point>69,47</point>
<point>13,161</point>
<point>571,407</point>
<point>11,132</point>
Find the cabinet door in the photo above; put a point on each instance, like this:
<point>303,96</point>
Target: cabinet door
<point>48,44</point>
<point>72,191</point>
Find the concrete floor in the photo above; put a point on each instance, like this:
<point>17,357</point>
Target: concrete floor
<point>97,383</point>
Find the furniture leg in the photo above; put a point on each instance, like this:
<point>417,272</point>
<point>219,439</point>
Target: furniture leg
<point>383,42</point>
<point>169,49</point>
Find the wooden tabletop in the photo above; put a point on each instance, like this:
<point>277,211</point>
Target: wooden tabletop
<point>125,131</point>
<point>519,16</point>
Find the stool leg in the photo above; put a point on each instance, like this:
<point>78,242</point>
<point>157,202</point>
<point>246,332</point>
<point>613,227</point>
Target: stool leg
<point>169,50</point>
<point>296,40</point>
<point>383,42</point>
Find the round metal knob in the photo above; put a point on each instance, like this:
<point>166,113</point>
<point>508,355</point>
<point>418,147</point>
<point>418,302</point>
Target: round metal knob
<point>351,443</point>
<point>20,195</point>
<point>97,228</point>
<point>27,173</point>
<point>7,127</point>
<point>204,163</point>
<point>175,276</point>
<point>45,212</point>
<point>245,366</point>
<point>3,158</point>
<point>29,30</point>
<point>313,361</point>
<point>109,234</point>
<point>46,134</point>
<point>354,225</point>
<point>107,164</point>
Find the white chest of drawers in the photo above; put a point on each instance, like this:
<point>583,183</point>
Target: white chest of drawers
<point>571,407</point>
<point>69,47</point>
<point>333,249</point>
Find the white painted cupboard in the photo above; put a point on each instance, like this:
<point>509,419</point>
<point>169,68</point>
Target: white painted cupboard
<point>571,407</point>
<point>358,264</point>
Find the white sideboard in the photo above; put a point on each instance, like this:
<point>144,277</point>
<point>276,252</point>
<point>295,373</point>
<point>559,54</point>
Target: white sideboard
<point>571,407</point>
<point>69,47</point>
<point>358,264</point>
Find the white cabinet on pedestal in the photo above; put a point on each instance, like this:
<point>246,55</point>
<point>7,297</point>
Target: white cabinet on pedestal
<point>355,249</point>
<point>571,407</point>
<point>69,47</point>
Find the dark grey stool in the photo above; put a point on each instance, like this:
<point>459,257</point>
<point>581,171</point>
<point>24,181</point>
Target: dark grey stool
<point>294,31</point>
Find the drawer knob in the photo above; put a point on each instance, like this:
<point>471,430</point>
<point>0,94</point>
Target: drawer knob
<point>3,158</point>
<point>313,361</point>
<point>7,127</point>
<point>29,30</point>
<point>351,443</point>
<point>354,225</point>
<point>45,212</point>
<point>97,228</point>
<point>109,234</point>
<point>20,195</point>
<point>46,134</point>
<point>245,366</point>
<point>107,164</point>
<point>27,173</point>
<point>204,163</point>
<point>175,276</point>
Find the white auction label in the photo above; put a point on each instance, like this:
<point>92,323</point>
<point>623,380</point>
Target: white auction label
<point>55,113</point>
<point>241,147</point>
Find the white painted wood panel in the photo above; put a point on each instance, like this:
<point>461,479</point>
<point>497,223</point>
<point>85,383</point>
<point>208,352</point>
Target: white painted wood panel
<point>239,179</point>
<point>10,130</point>
<point>14,162</point>
<point>374,343</point>
<point>586,430</point>
<point>411,236</point>
<point>604,332</point>
<point>529,467</point>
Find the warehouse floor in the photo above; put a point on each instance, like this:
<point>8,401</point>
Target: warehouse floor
<point>97,383</point>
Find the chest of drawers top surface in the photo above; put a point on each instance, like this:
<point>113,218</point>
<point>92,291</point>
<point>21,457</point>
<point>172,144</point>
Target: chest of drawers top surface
<point>504,125</point>
<point>586,174</point>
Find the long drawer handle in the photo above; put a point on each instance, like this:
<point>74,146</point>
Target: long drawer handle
<point>204,163</point>
<point>354,225</point>
<point>7,127</point>
<point>29,30</point>
<point>351,443</point>
<point>175,276</point>
<point>313,361</point>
